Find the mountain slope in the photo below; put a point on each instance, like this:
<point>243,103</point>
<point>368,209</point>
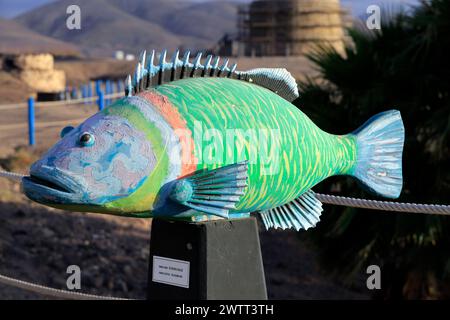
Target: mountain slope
<point>104,28</point>
<point>207,20</point>
<point>132,25</point>
<point>15,38</point>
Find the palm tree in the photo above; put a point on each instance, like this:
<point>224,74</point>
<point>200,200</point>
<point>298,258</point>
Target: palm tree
<point>406,66</point>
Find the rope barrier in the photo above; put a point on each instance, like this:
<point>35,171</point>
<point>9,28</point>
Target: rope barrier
<point>341,201</point>
<point>52,292</point>
<point>47,291</point>
<point>12,106</point>
<point>325,198</point>
<point>60,102</point>
<point>11,175</point>
<point>42,124</point>
<point>384,205</point>
<point>76,101</point>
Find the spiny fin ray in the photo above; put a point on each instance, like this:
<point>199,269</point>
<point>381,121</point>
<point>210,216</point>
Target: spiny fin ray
<point>215,191</point>
<point>277,80</point>
<point>301,213</point>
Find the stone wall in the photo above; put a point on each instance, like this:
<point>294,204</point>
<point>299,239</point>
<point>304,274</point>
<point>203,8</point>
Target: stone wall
<point>37,71</point>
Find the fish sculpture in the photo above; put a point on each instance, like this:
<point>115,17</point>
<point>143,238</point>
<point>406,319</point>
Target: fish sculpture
<point>199,142</point>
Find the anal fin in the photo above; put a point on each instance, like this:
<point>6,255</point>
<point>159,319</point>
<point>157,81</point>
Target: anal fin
<point>301,213</point>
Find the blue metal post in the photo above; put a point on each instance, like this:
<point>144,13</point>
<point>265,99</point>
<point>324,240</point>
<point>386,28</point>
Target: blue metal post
<point>101,100</point>
<point>98,86</point>
<point>84,92</point>
<point>31,140</point>
<point>106,91</point>
<point>119,86</point>
<point>89,92</point>
<point>74,93</point>
<point>111,90</point>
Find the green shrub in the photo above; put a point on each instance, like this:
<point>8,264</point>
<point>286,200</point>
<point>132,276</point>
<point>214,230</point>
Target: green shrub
<point>404,66</point>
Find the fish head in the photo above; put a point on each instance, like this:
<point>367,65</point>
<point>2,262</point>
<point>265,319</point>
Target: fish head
<point>95,167</point>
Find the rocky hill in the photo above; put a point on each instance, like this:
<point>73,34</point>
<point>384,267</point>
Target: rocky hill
<point>109,25</point>
<point>16,38</point>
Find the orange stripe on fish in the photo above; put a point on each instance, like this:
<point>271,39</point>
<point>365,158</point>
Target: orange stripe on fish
<point>179,125</point>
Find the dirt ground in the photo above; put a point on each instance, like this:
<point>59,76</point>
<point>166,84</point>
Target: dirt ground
<point>38,243</point>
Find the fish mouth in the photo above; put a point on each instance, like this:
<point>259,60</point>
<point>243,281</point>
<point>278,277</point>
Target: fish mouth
<point>47,184</point>
<point>51,186</point>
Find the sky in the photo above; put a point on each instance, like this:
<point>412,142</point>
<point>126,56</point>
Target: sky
<point>12,8</point>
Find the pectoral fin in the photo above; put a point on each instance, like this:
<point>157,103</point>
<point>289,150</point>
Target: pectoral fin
<point>212,191</point>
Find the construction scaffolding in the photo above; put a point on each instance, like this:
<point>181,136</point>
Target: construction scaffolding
<point>290,27</point>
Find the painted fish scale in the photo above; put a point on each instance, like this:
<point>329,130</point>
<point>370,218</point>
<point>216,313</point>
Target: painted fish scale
<point>192,141</point>
<point>142,199</point>
<point>247,106</point>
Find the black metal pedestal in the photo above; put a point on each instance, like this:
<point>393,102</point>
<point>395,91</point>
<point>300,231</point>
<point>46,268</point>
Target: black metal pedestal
<point>218,259</point>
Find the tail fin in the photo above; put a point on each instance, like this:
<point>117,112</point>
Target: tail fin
<point>379,154</point>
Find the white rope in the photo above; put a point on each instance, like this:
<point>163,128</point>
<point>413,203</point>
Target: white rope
<point>64,294</point>
<point>52,292</point>
<point>11,175</point>
<point>57,123</point>
<point>325,198</point>
<point>58,293</point>
<point>76,101</point>
<point>384,205</point>
<point>60,102</point>
<point>12,106</point>
<point>340,201</point>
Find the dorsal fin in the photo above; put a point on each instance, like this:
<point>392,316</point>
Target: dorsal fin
<point>278,80</point>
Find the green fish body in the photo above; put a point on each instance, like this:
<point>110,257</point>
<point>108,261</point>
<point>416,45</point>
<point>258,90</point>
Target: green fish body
<point>299,154</point>
<point>192,141</point>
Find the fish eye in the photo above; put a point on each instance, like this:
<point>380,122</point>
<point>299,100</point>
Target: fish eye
<point>65,131</point>
<point>87,139</point>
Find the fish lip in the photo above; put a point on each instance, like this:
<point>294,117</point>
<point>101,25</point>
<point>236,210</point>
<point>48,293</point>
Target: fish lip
<point>51,185</point>
<point>47,184</point>
<point>55,176</point>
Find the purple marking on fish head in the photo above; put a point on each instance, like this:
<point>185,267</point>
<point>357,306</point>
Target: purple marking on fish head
<point>104,159</point>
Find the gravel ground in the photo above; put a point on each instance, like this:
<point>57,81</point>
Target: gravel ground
<point>38,244</point>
